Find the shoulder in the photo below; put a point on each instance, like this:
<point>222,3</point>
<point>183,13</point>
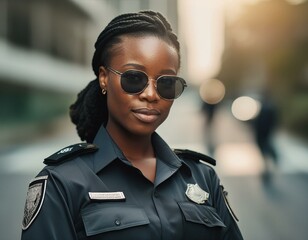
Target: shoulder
<point>65,166</point>
<point>69,153</point>
<point>194,156</point>
<point>200,165</point>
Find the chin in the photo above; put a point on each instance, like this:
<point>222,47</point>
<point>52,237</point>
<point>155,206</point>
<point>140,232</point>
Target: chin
<point>144,130</point>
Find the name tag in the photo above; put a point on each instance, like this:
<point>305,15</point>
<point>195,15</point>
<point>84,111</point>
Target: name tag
<point>107,196</point>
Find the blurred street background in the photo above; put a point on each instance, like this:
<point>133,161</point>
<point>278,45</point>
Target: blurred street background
<point>246,64</point>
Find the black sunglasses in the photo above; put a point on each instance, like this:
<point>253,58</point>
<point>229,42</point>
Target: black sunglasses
<point>168,87</point>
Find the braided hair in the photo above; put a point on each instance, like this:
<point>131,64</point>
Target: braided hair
<point>90,111</point>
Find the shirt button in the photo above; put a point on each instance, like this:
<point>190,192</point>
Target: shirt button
<point>155,194</point>
<point>117,222</point>
<point>206,220</point>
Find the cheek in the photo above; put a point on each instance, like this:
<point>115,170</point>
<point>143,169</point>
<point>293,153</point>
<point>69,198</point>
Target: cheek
<point>117,99</point>
<point>166,106</point>
<point>118,102</point>
<point>116,93</point>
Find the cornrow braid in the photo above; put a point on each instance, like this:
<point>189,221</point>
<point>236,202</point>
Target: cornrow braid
<point>138,23</point>
<point>90,111</point>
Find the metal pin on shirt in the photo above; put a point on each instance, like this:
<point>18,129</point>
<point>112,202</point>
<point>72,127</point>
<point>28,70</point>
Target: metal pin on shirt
<point>196,194</point>
<point>107,196</point>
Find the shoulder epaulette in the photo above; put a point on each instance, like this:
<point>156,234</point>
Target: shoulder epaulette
<point>70,152</point>
<point>185,153</point>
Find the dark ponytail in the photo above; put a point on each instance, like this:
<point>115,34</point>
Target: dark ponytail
<point>90,110</point>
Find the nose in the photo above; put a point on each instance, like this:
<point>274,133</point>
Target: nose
<point>149,93</point>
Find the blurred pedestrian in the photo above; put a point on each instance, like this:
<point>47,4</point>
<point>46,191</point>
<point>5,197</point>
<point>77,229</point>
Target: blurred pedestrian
<point>264,127</point>
<point>209,112</point>
<point>125,182</point>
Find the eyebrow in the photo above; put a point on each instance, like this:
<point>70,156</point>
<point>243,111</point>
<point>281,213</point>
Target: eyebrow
<point>142,68</point>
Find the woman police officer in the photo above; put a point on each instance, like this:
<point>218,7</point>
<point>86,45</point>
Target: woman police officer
<point>125,182</point>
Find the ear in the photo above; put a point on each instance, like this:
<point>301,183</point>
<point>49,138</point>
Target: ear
<point>103,77</point>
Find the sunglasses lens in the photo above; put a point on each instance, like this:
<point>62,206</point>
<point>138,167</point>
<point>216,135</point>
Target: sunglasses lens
<point>170,87</point>
<point>133,81</point>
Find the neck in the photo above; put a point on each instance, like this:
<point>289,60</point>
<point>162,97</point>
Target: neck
<point>134,147</point>
<point>138,149</point>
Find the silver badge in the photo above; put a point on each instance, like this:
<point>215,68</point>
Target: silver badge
<point>34,201</point>
<point>196,194</point>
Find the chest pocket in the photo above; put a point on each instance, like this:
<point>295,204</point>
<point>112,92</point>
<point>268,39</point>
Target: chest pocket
<point>101,218</point>
<point>201,214</point>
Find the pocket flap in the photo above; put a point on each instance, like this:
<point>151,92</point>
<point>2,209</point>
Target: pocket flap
<point>201,214</point>
<point>99,219</point>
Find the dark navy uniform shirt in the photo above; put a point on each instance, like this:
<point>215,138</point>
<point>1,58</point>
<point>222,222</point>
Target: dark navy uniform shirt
<point>124,204</point>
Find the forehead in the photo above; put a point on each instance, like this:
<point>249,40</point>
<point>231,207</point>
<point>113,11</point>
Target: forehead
<point>145,48</point>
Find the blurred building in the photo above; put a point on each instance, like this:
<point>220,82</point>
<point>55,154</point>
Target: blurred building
<point>46,49</point>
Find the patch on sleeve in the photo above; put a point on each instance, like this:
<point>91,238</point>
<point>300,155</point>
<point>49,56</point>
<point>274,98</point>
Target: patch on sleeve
<point>34,201</point>
<point>225,196</point>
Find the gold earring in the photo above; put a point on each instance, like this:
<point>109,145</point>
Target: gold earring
<point>104,91</point>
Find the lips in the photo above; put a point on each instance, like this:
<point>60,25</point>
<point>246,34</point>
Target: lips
<point>146,115</point>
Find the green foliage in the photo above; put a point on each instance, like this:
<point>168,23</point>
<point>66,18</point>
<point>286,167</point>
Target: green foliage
<point>295,114</point>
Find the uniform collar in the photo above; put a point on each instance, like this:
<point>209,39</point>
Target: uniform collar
<point>109,151</point>
<point>164,152</point>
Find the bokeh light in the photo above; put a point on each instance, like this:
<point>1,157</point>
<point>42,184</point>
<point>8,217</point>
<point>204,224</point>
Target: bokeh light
<point>245,108</point>
<point>212,91</point>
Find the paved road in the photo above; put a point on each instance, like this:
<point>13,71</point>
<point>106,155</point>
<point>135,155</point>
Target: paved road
<point>272,210</point>
<point>275,211</point>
